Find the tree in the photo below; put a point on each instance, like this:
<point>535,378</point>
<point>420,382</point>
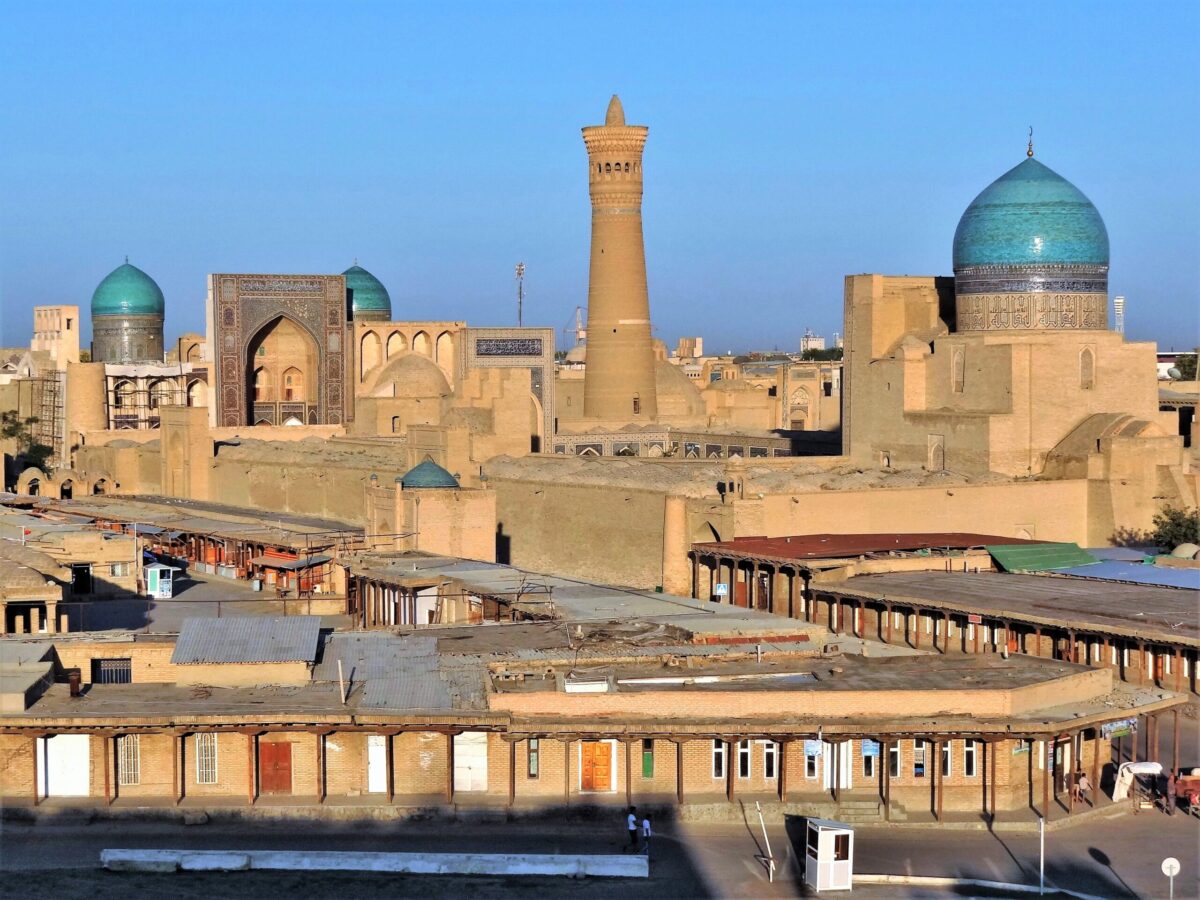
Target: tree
<point>18,430</point>
<point>1186,364</point>
<point>1173,527</point>
<point>831,353</point>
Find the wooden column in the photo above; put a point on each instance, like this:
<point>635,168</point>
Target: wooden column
<point>1037,649</point>
<point>566,770</point>
<point>33,756</point>
<point>1069,777</point>
<point>885,750</point>
<point>107,742</point>
<point>321,786</point>
<point>1175,739</point>
<point>512,773</point>
<point>390,752</point>
<point>917,629</point>
<point>679,772</point>
<point>252,766</point>
<point>1096,764</point>
<point>887,608</point>
<point>695,575</point>
<point>939,777</point>
<point>449,792</point>
<point>1133,739</point>
<point>835,769</point>
<point>992,747</point>
<point>628,774</point>
<point>176,754</point>
<point>1175,664</point>
<point>1071,644</point>
<point>1141,662</point>
<point>794,596</point>
<point>730,766</point>
<point>783,764</point>
<point>752,599</point>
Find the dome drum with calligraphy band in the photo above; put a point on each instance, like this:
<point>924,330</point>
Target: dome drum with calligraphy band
<point>1031,252</point>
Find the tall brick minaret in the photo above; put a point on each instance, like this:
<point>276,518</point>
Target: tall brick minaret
<point>619,379</point>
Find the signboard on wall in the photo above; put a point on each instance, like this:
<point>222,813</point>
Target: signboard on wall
<point>721,590</point>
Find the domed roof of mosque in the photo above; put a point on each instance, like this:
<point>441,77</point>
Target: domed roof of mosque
<point>127,291</point>
<point>428,474</point>
<point>411,376</point>
<point>366,292</point>
<point>1030,215</point>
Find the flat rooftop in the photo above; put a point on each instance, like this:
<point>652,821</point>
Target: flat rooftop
<point>1146,612</point>
<point>574,600</point>
<point>199,517</point>
<point>801,547</point>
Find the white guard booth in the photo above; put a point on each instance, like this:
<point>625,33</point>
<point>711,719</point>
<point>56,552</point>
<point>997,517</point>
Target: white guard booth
<point>829,855</point>
<point>160,581</point>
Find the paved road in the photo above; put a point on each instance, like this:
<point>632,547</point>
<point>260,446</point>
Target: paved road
<point>1113,858</point>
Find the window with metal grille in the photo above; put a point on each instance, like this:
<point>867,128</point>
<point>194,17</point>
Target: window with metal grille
<point>718,759</point>
<point>533,757</point>
<point>206,758</point>
<point>918,759</point>
<point>112,671</point>
<point>770,759</point>
<point>129,759</point>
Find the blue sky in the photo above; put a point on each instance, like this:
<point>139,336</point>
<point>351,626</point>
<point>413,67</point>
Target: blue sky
<point>439,144</point>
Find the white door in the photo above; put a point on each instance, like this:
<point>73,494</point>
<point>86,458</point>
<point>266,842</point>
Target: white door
<point>376,764</point>
<point>64,764</point>
<point>470,761</point>
<point>845,751</point>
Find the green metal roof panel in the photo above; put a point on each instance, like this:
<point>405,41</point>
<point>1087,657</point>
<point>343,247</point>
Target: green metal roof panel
<point>1039,557</point>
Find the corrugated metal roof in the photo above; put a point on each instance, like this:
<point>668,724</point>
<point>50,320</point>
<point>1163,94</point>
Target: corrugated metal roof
<point>1039,557</point>
<point>420,691</point>
<point>1137,573</point>
<point>248,639</point>
<point>367,655</point>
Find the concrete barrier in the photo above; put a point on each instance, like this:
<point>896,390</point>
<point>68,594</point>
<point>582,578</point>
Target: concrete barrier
<point>562,865</point>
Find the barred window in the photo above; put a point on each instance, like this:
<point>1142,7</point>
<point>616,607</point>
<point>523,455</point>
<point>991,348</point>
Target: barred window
<point>129,759</point>
<point>206,758</point>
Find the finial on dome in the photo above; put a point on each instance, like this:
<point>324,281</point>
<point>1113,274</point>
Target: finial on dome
<point>356,260</point>
<point>616,114</point>
<point>126,259</point>
<point>1029,151</point>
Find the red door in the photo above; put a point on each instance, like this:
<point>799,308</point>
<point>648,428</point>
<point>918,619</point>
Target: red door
<point>275,767</point>
<point>740,594</point>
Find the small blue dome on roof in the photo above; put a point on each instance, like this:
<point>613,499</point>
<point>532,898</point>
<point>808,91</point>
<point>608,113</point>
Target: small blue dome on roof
<point>428,474</point>
<point>369,299</point>
<point>1030,215</point>
<point>127,291</point>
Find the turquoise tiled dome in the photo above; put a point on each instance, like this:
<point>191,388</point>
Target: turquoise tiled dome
<point>428,474</point>
<point>367,294</point>
<point>1030,215</point>
<point>127,291</point>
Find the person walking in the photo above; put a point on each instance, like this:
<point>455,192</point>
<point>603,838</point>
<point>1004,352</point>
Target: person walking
<point>1082,786</point>
<point>646,832</point>
<point>631,822</point>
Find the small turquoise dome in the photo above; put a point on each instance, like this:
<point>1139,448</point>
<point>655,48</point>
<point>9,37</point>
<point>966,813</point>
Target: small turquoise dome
<point>1030,215</point>
<point>428,474</point>
<point>367,296</point>
<point>127,291</point>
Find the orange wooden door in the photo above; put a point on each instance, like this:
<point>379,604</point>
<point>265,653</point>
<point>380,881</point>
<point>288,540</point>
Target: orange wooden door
<point>596,771</point>
<point>275,767</point>
<point>740,594</point>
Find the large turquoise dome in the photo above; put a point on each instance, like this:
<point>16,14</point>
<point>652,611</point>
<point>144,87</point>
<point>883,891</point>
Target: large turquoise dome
<point>127,291</point>
<point>1030,215</point>
<point>1030,252</point>
<point>367,296</point>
